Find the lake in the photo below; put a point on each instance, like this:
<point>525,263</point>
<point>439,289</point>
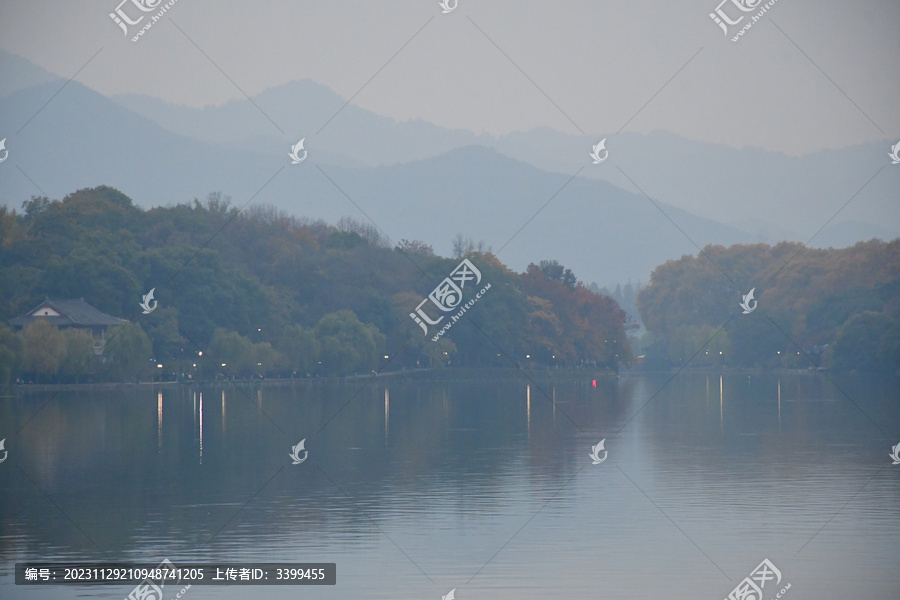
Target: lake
<point>483,484</point>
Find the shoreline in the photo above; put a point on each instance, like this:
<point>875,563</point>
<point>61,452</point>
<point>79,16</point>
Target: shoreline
<point>456,374</point>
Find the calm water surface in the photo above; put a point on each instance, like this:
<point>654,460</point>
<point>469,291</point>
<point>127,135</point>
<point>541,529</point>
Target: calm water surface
<point>484,485</point>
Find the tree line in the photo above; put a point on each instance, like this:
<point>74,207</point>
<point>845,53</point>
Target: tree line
<point>821,308</point>
<point>260,293</point>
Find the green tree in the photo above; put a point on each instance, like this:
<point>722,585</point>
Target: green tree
<point>267,359</point>
<point>10,354</point>
<point>79,352</point>
<point>699,342</point>
<point>756,343</point>
<point>232,353</point>
<point>859,342</point>
<point>162,329</point>
<point>439,353</point>
<point>44,349</point>
<point>10,229</point>
<point>128,351</point>
<point>825,303</point>
<point>348,345</point>
<point>552,270</point>
<point>544,334</point>
<point>889,348</point>
<point>36,206</point>
<point>298,350</point>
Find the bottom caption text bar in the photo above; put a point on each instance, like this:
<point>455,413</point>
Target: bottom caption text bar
<point>168,574</point>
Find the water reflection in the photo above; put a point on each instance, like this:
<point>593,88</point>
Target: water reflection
<point>223,414</point>
<point>528,408</point>
<point>721,404</point>
<point>201,429</point>
<point>779,404</point>
<point>159,410</point>
<point>455,472</point>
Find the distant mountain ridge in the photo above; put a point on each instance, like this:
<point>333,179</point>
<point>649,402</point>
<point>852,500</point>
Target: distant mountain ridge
<point>710,180</point>
<point>601,232</point>
<point>419,181</point>
<point>17,73</point>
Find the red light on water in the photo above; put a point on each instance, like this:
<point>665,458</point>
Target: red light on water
<point>595,383</point>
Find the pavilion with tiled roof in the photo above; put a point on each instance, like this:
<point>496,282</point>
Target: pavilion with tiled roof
<point>71,313</point>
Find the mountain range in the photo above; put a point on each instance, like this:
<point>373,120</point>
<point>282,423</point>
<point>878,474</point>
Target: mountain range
<point>530,196</point>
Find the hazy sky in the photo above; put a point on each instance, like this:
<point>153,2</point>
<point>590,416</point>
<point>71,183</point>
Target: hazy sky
<point>593,64</point>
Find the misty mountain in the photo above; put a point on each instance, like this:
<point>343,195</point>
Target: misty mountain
<point>81,139</point>
<point>420,181</point>
<point>524,214</point>
<point>790,197</point>
<point>304,109</point>
<point>603,233</point>
<point>17,73</point>
<point>782,197</point>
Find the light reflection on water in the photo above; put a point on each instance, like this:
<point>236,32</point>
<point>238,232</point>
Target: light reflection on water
<point>418,487</point>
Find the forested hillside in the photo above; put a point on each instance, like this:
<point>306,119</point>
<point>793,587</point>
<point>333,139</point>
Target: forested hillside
<point>823,308</point>
<point>261,293</point>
